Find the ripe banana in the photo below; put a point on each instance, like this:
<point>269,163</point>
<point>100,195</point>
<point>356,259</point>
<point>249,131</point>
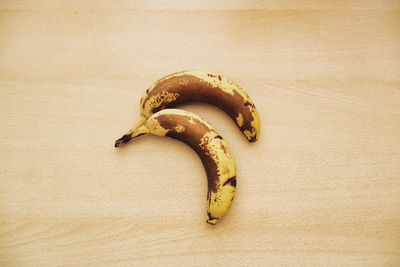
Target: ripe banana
<point>186,86</point>
<point>212,149</point>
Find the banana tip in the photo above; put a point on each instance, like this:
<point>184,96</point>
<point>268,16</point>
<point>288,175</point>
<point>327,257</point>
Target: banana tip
<point>212,221</point>
<point>253,139</point>
<point>124,139</point>
<point>118,143</point>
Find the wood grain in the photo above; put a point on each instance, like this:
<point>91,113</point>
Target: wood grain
<point>321,186</point>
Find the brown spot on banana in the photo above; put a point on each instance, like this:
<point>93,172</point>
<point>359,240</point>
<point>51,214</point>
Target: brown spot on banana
<point>210,146</point>
<point>231,181</point>
<point>215,89</point>
<point>161,99</point>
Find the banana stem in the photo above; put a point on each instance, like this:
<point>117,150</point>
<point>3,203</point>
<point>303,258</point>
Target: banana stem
<point>137,130</point>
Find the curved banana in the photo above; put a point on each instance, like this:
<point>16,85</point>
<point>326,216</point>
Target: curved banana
<point>186,86</point>
<point>212,149</point>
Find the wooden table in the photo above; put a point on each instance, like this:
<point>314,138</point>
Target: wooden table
<point>320,187</point>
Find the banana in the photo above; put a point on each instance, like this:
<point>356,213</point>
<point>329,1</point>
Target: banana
<point>215,89</point>
<point>212,149</point>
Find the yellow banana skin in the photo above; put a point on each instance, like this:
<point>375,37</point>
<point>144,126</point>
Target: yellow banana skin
<point>202,86</point>
<point>212,149</point>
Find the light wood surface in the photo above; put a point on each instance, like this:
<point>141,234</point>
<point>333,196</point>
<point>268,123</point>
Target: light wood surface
<point>321,186</point>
